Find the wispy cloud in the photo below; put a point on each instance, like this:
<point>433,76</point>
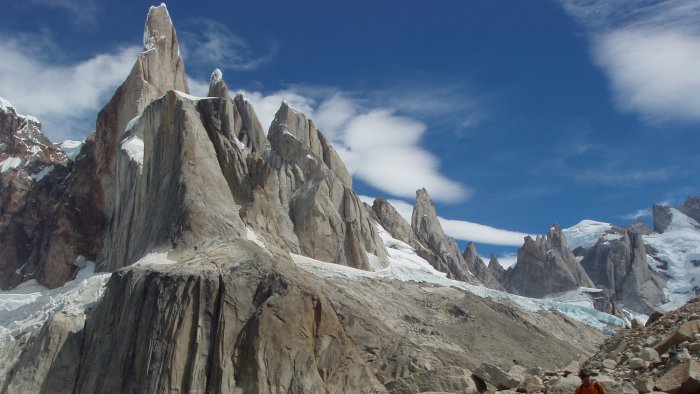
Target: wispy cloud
<point>462,229</point>
<point>377,145</point>
<point>642,213</point>
<point>65,97</point>
<point>650,50</point>
<point>617,176</point>
<point>82,12</point>
<point>209,44</point>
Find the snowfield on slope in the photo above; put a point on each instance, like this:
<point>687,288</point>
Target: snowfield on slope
<point>679,247</point>
<point>405,265</point>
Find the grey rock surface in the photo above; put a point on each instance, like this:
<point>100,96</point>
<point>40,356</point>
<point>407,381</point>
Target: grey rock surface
<point>691,208</point>
<point>661,216</point>
<point>545,265</point>
<point>234,318</point>
<point>479,269</point>
<point>428,230</point>
<point>618,263</point>
<point>50,359</point>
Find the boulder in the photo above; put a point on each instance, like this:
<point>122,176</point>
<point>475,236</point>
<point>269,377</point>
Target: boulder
<point>684,333</point>
<point>563,385</point>
<point>496,376</point>
<point>649,354</point>
<point>449,379</point>
<point>683,378</point>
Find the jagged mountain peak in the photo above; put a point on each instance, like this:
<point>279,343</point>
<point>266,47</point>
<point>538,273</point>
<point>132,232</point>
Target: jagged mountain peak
<point>217,85</point>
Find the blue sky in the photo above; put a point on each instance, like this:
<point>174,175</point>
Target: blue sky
<point>512,114</point>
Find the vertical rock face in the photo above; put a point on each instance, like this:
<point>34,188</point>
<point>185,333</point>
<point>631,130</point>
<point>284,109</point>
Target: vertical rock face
<point>50,361</point>
<point>242,323</point>
<point>479,269</point>
<point>158,69</point>
<point>618,263</point>
<point>691,208</point>
<point>428,230</point>
<point>291,135</point>
<point>661,216</point>
<point>326,219</point>
<point>172,191</point>
<point>545,265</point>
<point>393,222</point>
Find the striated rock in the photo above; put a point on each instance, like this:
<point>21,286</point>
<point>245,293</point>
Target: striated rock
<point>545,265</point>
<point>158,69</point>
<point>618,262</point>
<point>240,322</point>
<point>429,232</point>
<point>173,191</point>
<point>50,360</point>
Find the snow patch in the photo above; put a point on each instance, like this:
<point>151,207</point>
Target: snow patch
<point>132,123</point>
<point>216,76</point>
<point>189,96</point>
<point>585,234</point>
<point>154,258</point>
<point>30,304</point>
<point>679,247</point>
<point>5,105</point>
<point>71,148</point>
<point>254,237</point>
<point>41,174</point>
<point>10,163</point>
<point>133,146</point>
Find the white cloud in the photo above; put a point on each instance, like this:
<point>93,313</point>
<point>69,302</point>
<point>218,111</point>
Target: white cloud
<point>65,97</point>
<point>642,213</point>
<point>474,232</point>
<point>378,146</point>
<point>507,260</point>
<point>211,44</point>
<point>650,51</point>
<point>461,229</point>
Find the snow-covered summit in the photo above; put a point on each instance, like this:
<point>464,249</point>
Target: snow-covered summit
<point>586,233</point>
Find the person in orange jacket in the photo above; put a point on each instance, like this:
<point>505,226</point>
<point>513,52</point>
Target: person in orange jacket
<point>588,385</point>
